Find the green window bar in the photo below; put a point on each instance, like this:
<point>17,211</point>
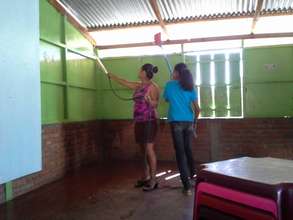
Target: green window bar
<point>218,82</point>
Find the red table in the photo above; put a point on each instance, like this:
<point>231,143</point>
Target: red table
<point>251,186</point>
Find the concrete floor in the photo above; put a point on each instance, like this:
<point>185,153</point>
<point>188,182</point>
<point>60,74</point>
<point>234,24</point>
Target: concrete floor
<point>103,193</point>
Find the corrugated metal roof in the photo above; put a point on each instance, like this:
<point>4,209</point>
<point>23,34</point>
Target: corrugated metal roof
<point>173,10</point>
<point>108,13</point>
<point>119,13</point>
<point>277,5</point>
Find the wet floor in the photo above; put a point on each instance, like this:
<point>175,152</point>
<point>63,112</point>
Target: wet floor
<point>104,192</point>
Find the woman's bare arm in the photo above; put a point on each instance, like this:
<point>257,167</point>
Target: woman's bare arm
<point>196,108</point>
<point>123,82</point>
<point>153,95</point>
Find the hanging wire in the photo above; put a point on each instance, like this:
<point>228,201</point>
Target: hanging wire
<point>117,95</point>
<point>103,68</point>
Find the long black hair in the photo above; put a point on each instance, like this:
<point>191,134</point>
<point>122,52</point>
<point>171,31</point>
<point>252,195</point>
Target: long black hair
<point>185,76</point>
<point>150,70</point>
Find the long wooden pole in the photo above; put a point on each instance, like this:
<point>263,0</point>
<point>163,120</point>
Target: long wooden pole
<point>203,39</point>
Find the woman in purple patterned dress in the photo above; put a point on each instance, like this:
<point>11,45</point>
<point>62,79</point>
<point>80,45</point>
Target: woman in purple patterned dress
<point>146,98</point>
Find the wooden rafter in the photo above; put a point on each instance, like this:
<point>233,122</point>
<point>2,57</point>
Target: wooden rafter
<point>196,40</point>
<point>256,15</point>
<point>64,11</point>
<point>156,10</point>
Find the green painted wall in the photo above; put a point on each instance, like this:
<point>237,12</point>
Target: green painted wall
<point>268,92</point>
<point>73,89</point>
<point>128,67</point>
<point>68,70</point>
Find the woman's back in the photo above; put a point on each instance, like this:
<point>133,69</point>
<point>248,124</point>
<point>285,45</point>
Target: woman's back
<point>180,101</point>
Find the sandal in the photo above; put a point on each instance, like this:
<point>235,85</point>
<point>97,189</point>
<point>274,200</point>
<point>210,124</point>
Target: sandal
<point>148,187</point>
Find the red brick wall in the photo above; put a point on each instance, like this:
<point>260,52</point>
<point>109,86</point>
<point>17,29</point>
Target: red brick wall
<point>68,146</point>
<point>257,137</point>
<point>217,139</point>
<point>64,147</point>
<point>119,143</point>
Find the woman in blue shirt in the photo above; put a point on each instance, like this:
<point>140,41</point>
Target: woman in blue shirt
<point>183,111</point>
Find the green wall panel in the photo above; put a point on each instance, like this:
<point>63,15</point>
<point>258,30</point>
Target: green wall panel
<point>75,40</point>
<point>220,69</point>
<point>99,92</point>
<point>51,63</point>
<point>127,68</point>
<point>257,58</point>
<point>50,22</point>
<point>206,101</point>
<point>53,102</point>
<point>80,71</point>
<point>64,75</point>
<point>82,104</point>
<point>114,108</point>
<point>266,95</point>
<point>221,101</point>
<point>269,100</point>
<point>8,191</point>
<point>205,69</point>
<point>103,81</point>
<point>235,101</point>
<point>99,110</point>
<point>234,69</point>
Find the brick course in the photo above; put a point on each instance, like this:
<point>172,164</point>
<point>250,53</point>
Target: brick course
<point>217,139</point>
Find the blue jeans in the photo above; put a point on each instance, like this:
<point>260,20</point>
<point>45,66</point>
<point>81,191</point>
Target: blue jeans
<point>182,134</point>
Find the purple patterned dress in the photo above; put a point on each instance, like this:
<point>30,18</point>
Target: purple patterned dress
<point>143,111</point>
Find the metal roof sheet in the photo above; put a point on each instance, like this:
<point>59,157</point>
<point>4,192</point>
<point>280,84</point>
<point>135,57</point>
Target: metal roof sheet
<point>120,13</point>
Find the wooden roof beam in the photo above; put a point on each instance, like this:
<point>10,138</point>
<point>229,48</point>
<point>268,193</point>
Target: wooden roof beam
<point>73,20</point>
<point>156,10</point>
<point>197,40</point>
<point>256,15</point>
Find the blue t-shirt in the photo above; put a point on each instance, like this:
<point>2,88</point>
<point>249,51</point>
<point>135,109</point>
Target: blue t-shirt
<point>180,102</point>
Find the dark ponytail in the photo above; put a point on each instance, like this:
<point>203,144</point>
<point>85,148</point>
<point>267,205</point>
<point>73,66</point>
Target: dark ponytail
<point>150,70</point>
<point>185,76</point>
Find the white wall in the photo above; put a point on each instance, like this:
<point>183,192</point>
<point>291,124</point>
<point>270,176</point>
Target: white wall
<point>20,118</point>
